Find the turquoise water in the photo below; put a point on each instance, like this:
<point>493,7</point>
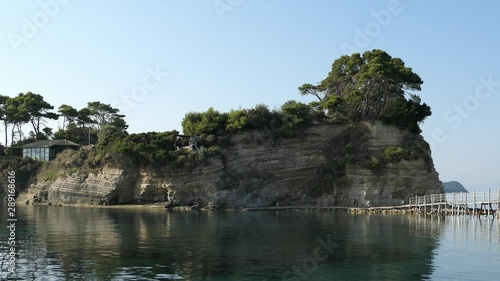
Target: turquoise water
<point>69,243</point>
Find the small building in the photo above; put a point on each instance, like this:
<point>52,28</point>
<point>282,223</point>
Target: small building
<point>47,150</point>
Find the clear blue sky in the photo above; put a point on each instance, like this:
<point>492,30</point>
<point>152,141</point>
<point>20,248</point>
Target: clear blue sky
<point>249,52</point>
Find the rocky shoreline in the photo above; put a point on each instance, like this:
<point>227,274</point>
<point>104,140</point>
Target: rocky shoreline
<point>340,210</point>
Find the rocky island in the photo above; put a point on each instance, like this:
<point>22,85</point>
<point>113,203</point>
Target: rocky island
<point>454,186</point>
<point>359,145</point>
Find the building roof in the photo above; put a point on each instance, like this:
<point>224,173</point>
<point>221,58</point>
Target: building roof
<point>50,143</point>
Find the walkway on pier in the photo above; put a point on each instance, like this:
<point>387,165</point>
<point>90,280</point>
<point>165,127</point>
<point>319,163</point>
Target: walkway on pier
<point>447,203</point>
<point>483,203</point>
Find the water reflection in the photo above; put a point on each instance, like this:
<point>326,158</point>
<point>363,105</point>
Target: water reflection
<point>469,249</point>
<point>67,243</point>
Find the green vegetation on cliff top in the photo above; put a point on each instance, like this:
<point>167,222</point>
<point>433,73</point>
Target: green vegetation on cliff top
<point>360,87</point>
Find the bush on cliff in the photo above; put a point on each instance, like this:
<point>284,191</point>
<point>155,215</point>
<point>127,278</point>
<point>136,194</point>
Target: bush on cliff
<point>148,148</point>
<point>395,154</point>
<point>24,168</point>
<point>291,117</point>
<point>210,122</point>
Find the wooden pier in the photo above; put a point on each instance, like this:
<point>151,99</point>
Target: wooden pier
<point>483,203</point>
<point>474,204</point>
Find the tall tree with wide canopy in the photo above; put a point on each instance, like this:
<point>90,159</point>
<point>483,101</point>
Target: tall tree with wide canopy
<point>3,116</point>
<point>84,117</point>
<point>366,82</point>
<point>103,114</point>
<point>360,87</point>
<point>69,113</point>
<point>17,115</point>
<point>38,110</point>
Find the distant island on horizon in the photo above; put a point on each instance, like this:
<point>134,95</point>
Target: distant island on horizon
<point>454,186</point>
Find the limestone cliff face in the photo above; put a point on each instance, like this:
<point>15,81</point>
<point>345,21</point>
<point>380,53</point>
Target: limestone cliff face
<point>110,186</point>
<point>398,181</point>
<point>325,165</point>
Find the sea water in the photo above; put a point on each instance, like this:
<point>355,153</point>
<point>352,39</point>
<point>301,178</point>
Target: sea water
<point>80,243</point>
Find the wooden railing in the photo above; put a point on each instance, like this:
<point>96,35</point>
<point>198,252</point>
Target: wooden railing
<point>458,203</point>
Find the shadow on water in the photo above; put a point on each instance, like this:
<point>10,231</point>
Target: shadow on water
<point>69,243</point>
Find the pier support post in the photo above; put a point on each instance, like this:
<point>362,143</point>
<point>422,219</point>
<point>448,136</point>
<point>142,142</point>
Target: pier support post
<point>453,204</point>
<point>484,201</point>
<point>489,201</point>
<point>474,211</point>
<point>461,202</point>
<point>466,205</point>
<point>446,204</point>
<point>498,203</point>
